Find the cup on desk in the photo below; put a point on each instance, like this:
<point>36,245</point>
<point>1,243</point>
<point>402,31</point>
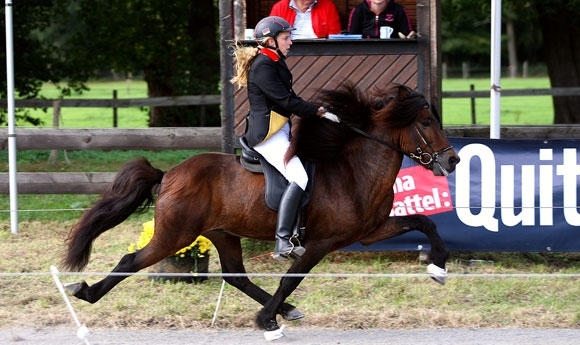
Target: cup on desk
<point>249,34</point>
<point>386,32</point>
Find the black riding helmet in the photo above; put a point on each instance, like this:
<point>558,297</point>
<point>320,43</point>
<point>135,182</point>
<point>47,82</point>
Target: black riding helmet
<point>271,27</point>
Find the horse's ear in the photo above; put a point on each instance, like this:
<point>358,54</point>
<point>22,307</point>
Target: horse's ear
<point>404,92</point>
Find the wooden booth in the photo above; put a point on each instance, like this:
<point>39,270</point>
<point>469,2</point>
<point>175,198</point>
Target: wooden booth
<point>325,63</point>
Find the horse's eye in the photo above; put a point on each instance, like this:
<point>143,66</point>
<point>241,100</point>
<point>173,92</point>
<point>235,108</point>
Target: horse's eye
<point>426,123</point>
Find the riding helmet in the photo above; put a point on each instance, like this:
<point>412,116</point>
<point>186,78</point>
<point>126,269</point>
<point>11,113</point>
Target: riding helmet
<point>271,27</point>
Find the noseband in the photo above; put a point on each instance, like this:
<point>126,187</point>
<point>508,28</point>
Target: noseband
<point>424,158</point>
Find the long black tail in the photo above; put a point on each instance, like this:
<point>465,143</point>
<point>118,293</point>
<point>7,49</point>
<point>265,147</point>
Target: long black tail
<point>132,189</point>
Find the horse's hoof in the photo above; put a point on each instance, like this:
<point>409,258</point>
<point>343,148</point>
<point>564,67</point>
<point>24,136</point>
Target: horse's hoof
<point>275,334</point>
<point>292,315</point>
<point>74,288</point>
<point>437,273</point>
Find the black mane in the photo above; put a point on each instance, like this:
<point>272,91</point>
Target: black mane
<point>319,139</point>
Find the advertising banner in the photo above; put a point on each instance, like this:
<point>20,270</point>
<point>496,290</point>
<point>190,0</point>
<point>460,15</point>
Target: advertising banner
<point>505,195</point>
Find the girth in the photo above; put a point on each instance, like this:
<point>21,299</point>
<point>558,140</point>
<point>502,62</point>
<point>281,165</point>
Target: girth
<point>276,183</point>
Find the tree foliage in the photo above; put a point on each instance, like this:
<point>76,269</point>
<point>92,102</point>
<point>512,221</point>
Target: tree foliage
<point>174,43</point>
<point>68,42</point>
<point>36,61</point>
<point>466,31</point>
<point>546,31</point>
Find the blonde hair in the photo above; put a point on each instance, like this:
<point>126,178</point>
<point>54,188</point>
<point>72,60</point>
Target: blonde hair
<point>244,56</point>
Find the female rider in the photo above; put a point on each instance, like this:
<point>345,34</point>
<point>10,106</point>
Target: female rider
<point>272,102</point>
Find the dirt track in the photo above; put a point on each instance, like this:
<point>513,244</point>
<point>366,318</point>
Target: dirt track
<point>59,336</point>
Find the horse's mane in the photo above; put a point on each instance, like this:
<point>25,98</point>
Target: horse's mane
<point>319,139</point>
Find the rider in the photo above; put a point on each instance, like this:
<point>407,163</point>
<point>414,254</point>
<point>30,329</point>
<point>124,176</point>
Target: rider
<point>272,102</point>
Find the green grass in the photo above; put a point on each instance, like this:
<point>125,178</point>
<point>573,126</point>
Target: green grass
<point>30,299</point>
<point>517,110</point>
<point>97,117</point>
<point>69,206</point>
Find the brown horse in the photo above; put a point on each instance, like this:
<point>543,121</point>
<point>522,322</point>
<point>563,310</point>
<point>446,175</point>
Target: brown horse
<point>212,194</point>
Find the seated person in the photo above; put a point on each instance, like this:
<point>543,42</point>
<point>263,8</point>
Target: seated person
<point>368,17</point>
<point>311,18</point>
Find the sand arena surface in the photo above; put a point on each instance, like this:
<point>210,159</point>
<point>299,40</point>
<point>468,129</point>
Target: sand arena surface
<point>59,336</point>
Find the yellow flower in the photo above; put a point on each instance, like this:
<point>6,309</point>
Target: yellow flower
<point>198,248</point>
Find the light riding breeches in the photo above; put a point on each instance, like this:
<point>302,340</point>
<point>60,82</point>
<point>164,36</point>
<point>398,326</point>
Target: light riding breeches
<point>273,150</point>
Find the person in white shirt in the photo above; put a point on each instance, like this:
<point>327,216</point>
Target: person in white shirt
<point>311,18</point>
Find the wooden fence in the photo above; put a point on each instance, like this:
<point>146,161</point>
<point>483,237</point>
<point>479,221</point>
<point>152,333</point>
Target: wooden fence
<point>192,138</point>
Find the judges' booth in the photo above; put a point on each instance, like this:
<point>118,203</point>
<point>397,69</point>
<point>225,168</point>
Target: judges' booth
<point>325,63</point>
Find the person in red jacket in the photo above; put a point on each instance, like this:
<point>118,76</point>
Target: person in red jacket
<point>311,18</point>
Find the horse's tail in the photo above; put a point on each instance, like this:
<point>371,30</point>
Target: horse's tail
<point>131,190</point>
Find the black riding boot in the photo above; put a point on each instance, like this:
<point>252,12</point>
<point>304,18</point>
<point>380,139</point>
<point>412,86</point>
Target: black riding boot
<point>287,215</point>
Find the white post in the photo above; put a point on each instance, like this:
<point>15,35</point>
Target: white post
<point>11,126</point>
<point>494,116</point>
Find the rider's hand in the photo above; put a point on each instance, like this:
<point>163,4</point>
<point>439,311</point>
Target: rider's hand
<point>330,116</point>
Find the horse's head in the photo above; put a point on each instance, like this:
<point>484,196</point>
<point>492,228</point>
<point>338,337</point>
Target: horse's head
<point>418,127</point>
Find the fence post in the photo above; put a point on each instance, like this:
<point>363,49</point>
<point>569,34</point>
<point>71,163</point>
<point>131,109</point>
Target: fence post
<point>465,70</point>
<point>472,98</point>
<point>53,159</point>
<point>115,117</point>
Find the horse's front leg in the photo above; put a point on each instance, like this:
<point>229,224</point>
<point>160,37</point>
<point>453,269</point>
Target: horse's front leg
<point>230,252</point>
<point>396,226</point>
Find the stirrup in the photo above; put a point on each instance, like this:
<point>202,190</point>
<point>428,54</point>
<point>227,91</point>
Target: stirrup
<point>296,250</point>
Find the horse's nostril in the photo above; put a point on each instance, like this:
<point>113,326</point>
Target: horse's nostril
<point>453,160</point>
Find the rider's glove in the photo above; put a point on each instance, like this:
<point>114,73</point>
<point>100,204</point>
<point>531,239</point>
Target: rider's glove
<point>331,117</point>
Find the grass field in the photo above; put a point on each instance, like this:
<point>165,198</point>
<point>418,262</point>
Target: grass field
<point>98,117</point>
<point>29,297</point>
<point>68,206</point>
<point>529,110</point>
<point>520,110</point>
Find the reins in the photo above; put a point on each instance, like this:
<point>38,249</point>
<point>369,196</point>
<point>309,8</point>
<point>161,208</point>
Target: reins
<point>419,155</point>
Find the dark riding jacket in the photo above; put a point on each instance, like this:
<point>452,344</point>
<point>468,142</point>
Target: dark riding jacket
<point>270,94</point>
<point>363,21</point>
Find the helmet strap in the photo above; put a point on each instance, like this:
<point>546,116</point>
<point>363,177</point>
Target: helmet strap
<point>276,48</point>
<point>282,56</point>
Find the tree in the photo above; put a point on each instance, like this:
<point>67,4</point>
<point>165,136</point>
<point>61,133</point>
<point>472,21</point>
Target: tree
<point>560,24</point>
<point>173,43</point>
<point>547,30</point>
<point>35,62</point>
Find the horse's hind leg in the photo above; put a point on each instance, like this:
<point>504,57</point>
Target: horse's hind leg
<point>230,252</point>
<point>129,264</point>
<point>266,319</point>
<point>439,253</point>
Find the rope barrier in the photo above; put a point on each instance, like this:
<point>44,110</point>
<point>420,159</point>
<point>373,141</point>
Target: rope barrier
<point>82,331</point>
<point>309,275</point>
<point>218,303</point>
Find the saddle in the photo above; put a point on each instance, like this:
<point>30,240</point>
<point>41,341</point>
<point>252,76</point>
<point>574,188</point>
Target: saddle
<point>276,183</point>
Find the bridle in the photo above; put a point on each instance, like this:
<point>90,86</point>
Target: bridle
<point>425,158</point>
<point>420,156</point>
